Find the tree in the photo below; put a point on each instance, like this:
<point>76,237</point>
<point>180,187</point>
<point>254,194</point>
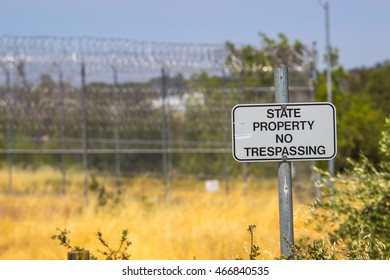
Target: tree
<point>373,82</point>
<point>358,114</point>
<point>273,53</point>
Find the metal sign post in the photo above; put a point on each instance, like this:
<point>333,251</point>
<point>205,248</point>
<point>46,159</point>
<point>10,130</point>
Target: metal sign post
<point>284,174</point>
<point>284,132</point>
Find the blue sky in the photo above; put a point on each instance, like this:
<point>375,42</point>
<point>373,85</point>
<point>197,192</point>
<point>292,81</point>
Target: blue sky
<point>359,28</point>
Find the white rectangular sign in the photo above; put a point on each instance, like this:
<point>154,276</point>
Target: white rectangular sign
<point>291,131</point>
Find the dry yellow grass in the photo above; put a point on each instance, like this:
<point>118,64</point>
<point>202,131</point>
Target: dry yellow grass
<point>191,224</point>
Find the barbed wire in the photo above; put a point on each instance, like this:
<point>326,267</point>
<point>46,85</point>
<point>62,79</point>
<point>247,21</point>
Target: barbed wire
<point>102,54</point>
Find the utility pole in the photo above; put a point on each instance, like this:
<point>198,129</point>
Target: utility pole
<point>325,6</point>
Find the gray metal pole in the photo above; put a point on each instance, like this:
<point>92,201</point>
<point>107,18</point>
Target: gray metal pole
<point>328,51</point>
<point>329,78</point>
<point>284,174</point>
<point>312,81</point>
<point>84,129</point>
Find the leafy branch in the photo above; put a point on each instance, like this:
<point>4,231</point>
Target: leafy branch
<point>110,254</point>
<point>116,254</point>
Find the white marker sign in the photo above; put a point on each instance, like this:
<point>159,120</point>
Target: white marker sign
<point>292,131</point>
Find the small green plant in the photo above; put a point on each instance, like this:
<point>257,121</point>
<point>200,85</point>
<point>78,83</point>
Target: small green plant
<point>360,249</point>
<point>120,253</point>
<point>105,196</point>
<point>255,249</point>
<point>306,250</point>
<point>94,184</point>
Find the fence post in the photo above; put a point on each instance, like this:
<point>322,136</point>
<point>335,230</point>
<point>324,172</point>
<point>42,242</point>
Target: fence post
<point>84,129</point>
<point>284,173</point>
<point>164,134</point>
<point>225,130</point>
<point>79,255</point>
<point>116,130</point>
<point>9,127</point>
<point>62,125</point>
<point>242,101</point>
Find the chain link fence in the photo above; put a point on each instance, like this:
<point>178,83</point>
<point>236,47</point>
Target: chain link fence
<point>125,108</point>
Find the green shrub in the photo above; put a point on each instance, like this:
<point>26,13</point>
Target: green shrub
<point>357,210</point>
